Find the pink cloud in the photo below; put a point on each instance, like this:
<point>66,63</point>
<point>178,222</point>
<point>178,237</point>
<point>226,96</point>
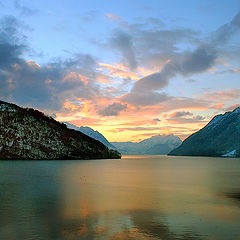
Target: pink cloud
<point>113,17</point>
<point>224,95</point>
<point>232,107</point>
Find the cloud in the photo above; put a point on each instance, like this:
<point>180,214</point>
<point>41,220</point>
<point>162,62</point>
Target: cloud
<point>226,31</point>
<point>180,114</point>
<point>118,70</point>
<point>79,121</point>
<point>159,39</point>
<point>232,107</point>
<point>226,95</point>
<point>155,130</point>
<point>198,61</point>
<point>112,109</point>
<point>176,130</point>
<point>231,70</point>
<point>144,89</point>
<point>154,81</point>
<point>11,32</point>
<point>183,120</point>
<point>144,98</point>
<point>183,117</point>
<point>115,130</point>
<point>217,106</point>
<point>24,10</point>
<point>170,104</point>
<point>113,17</point>
<point>185,63</point>
<point>130,89</point>
<point>155,45</point>
<point>46,86</point>
<point>123,42</point>
<point>141,122</point>
<point>155,22</point>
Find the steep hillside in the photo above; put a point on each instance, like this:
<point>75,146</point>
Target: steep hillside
<point>220,137</point>
<point>29,134</point>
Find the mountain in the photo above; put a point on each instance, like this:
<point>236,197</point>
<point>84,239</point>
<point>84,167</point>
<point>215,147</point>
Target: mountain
<point>91,133</point>
<point>26,133</point>
<point>159,144</point>
<point>220,137</point>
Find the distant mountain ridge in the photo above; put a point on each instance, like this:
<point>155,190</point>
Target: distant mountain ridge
<point>220,137</point>
<point>91,133</point>
<point>159,144</point>
<point>27,134</point>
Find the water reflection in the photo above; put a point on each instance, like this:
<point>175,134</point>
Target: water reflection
<point>234,195</point>
<point>135,198</point>
<point>29,202</point>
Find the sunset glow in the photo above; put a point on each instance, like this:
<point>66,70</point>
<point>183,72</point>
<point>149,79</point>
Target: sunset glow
<point>128,74</point>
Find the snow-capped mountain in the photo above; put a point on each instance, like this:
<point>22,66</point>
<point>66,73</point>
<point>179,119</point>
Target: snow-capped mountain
<point>91,133</point>
<point>159,144</point>
<point>220,137</point>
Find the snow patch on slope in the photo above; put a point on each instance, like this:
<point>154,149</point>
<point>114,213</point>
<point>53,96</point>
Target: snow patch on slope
<point>230,154</point>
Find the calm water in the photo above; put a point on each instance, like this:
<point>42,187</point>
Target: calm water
<point>138,197</point>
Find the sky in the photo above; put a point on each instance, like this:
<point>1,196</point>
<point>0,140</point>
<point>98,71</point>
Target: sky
<point>130,69</point>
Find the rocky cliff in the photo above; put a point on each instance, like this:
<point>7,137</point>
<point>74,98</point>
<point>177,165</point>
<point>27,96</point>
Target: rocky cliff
<point>26,133</point>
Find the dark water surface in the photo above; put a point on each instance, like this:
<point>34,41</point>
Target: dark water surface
<point>138,197</point>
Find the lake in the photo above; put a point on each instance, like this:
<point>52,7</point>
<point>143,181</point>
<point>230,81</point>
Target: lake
<point>137,197</point>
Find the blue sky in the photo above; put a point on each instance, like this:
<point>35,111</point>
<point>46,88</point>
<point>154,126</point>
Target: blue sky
<point>99,63</point>
<point>56,27</point>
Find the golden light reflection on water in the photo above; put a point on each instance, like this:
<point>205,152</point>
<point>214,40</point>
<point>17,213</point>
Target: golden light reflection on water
<point>160,185</point>
<point>143,197</point>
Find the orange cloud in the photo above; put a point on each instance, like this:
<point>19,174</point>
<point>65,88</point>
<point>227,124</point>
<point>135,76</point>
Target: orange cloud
<point>73,76</point>
<point>103,78</point>
<point>71,106</point>
<point>118,70</point>
<point>113,17</point>
<point>236,70</point>
<point>228,94</point>
<point>125,126</point>
<point>172,104</point>
<point>78,116</point>
<point>32,64</point>
<point>222,62</point>
<point>217,106</point>
<point>141,122</point>
<point>197,119</point>
<point>232,107</point>
<point>182,117</point>
<point>87,121</point>
<point>134,129</point>
<point>181,132</point>
<point>213,69</point>
<point>179,114</point>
